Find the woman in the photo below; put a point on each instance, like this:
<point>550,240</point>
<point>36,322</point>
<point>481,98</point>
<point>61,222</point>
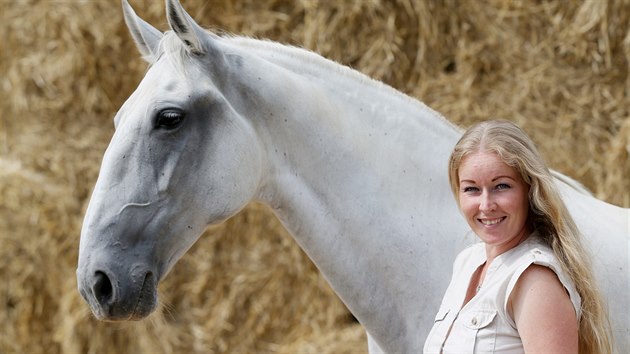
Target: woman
<point>528,287</point>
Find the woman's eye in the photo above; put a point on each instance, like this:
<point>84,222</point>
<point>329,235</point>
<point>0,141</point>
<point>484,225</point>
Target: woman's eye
<point>502,186</point>
<point>169,119</point>
<point>470,189</point>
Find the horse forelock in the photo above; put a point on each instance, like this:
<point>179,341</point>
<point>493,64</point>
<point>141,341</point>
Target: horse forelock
<point>173,49</point>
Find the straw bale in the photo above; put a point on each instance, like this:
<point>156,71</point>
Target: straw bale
<point>559,68</point>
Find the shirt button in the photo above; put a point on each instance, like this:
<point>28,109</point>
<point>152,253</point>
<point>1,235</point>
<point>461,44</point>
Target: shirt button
<point>473,321</point>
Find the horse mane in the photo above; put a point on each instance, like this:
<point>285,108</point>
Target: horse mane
<point>271,50</point>
<point>298,56</point>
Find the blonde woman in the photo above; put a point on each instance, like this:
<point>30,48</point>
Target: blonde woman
<point>528,286</point>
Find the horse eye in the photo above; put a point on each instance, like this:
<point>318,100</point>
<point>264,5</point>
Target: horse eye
<point>169,119</point>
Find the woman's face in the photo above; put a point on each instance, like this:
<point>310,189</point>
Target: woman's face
<point>494,200</point>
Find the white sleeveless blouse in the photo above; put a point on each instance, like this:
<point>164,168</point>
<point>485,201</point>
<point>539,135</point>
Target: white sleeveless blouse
<point>483,325</point>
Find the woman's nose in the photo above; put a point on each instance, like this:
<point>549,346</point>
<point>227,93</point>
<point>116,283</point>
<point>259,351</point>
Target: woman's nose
<point>487,202</point>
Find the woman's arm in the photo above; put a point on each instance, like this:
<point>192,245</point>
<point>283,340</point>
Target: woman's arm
<point>543,312</point>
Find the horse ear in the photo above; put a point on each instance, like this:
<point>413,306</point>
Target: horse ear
<point>185,27</point>
<point>146,36</point>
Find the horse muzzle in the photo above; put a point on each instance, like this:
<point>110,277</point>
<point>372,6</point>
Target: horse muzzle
<point>119,296</point>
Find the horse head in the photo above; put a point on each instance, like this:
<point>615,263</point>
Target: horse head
<point>182,157</point>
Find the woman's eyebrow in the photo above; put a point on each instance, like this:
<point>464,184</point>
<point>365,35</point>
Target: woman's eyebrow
<point>503,176</point>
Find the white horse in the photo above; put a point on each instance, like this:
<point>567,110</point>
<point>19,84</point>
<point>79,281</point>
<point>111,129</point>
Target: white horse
<point>354,169</point>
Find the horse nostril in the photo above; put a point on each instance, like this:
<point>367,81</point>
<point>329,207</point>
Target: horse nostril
<point>102,288</point>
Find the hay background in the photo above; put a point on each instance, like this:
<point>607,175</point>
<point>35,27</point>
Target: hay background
<point>558,68</point>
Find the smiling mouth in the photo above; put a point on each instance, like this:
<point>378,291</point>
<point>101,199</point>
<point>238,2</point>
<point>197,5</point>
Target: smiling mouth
<point>491,222</point>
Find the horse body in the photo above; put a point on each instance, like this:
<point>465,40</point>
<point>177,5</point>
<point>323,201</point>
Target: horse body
<point>355,170</point>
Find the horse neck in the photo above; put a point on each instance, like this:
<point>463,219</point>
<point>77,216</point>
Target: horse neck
<point>354,169</point>
<point>324,124</point>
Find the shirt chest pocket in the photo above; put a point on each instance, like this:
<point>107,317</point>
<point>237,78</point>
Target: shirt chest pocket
<point>476,332</point>
<point>437,334</point>
<point>476,320</point>
<point>441,315</point>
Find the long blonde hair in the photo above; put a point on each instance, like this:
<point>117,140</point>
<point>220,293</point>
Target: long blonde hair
<point>548,214</point>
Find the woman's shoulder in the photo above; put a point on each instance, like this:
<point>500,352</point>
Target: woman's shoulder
<point>538,265</point>
<point>535,251</point>
<point>539,304</point>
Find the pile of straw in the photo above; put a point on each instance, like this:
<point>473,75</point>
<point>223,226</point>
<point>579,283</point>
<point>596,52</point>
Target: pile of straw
<point>558,68</point>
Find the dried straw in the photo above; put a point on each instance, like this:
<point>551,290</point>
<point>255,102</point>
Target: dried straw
<point>559,68</point>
